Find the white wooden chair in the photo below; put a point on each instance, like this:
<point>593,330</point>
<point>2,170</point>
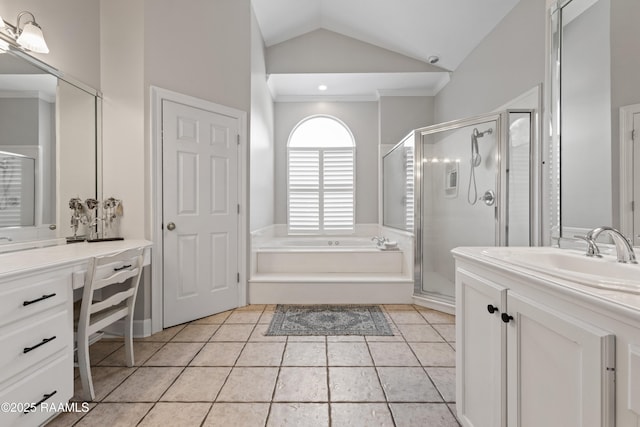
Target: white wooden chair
<point>118,277</point>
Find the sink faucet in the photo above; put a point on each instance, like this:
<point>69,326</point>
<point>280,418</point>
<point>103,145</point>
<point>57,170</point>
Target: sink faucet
<point>379,240</point>
<point>624,250</point>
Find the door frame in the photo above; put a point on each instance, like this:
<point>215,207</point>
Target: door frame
<point>157,268</point>
<point>626,168</point>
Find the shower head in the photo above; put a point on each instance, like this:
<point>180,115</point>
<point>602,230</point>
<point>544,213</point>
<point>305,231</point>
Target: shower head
<point>478,134</point>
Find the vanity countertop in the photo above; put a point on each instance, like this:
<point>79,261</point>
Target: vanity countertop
<point>36,259</point>
<point>626,304</point>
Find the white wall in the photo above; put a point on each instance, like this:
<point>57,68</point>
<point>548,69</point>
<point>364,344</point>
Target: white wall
<point>262,179</point>
<point>506,64</point>
<point>72,31</point>
<point>362,120</point>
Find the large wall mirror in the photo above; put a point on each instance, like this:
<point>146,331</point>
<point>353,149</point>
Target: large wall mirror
<point>49,148</point>
<point>580,108</point>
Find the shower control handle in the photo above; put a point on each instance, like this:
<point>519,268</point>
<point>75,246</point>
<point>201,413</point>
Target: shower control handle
<point>489,198</point>
<point>492,309</point>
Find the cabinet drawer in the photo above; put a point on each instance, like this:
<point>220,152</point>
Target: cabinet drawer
<point>56,377</point>
<point>29,296</point>
<point>28,343</point>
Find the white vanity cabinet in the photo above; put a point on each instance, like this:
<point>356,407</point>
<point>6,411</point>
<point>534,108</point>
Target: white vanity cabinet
<point>533,351</point>
<point>36,338</point>
<point>36,327</point>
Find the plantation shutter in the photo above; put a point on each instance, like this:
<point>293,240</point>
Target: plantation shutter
<point>304,191</point>
<point>338,189</point>
<point>11,204</point>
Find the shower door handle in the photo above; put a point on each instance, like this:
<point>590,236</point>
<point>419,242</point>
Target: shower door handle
<point>489,198</point>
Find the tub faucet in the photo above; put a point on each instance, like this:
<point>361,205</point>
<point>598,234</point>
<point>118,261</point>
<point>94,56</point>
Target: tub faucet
<point>624,250</point>
<point>379,240</point>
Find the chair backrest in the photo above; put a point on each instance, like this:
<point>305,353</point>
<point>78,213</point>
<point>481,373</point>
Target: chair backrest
<point>105,272</point>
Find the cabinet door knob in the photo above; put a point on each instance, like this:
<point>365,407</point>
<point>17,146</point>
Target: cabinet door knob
<point>492,309</point>
<point>506,318</point>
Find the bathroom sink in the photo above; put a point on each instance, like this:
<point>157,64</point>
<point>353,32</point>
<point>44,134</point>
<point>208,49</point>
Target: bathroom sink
<point>604,273</point>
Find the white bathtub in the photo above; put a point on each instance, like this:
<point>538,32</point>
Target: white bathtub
<point>327,270</point>
<point>316,243</point>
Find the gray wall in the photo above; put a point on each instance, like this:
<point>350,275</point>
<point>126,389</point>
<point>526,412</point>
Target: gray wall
<point>19,121</point>
<point>362,120</point>
<point>262,179</point>
<point>508,62</point>
<point>399,115</point>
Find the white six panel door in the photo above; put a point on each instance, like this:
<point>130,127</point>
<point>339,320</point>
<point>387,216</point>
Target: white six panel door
<point>200,212</point>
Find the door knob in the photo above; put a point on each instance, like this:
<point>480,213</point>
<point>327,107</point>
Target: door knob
<point>171,226</point>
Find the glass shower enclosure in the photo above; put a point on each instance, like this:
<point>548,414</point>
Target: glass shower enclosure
<point>469,186</point>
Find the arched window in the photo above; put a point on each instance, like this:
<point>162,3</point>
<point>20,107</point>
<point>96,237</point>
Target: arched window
<point>320,177</point>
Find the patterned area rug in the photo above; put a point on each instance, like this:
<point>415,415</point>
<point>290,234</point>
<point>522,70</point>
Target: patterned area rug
<point>328,320</point>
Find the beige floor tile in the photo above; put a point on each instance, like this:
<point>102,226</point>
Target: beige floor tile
<point>302,385</point>
<point>68,419</point>
<point>434,354</point>
<point>238,332</point>
<point>361,414</point>
<point>249,385</point>
<point>345,338</point>
<point>306,338</point>
<point>102,349</point>
<point>261,354</point>
<point>215,319</point>
<point>266,317</point>
<point>407,385</point>
<point>115,415</point>
<point>445,381</point>
<point>398,307</point>
<point>305,354</point>
<point>105,380</point>
<point>195,333</point>
<point>298,415</point>
<point>251,307</point>
<point>392,354</point>
<point>142,351</point>
<point>175,354</point>
<point>407,317</point>
<point>247,316</point>
<point>452,408</point>
<point>144,385</point>
<point>434,316</point>
<point>422,414</point>
<point>397,335</point>
<point>447,331</point>
<point>218,354</point>
<point>164,335</point>
<point>420,333</point>
<point>176,414</point>
<point>237,415</point>
<point>348,354</point>
<point>259,332</point>
<point>354,385</point>
<point>197,385</point>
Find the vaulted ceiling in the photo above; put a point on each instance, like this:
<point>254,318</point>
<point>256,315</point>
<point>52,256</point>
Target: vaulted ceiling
<point>419,29</point>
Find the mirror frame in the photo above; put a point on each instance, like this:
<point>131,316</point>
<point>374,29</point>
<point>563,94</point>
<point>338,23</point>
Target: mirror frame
<point>553,214</point>
<point>46,232</point>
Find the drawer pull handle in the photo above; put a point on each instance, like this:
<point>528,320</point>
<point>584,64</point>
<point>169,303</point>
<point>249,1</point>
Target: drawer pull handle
<point>44,399</point>
<point>122,268</point>
<point>43,342</point>
<point>42,298</point>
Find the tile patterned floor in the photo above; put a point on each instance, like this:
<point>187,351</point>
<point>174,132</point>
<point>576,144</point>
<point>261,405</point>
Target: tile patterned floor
<point>222,371</point>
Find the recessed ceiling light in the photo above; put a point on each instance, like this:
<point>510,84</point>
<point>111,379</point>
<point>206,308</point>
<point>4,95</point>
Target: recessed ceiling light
<point>322,87</point>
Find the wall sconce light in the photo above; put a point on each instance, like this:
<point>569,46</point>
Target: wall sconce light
<point>29,36</point>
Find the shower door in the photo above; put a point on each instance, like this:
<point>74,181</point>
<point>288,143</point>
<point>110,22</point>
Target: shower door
<point>462,190</point>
